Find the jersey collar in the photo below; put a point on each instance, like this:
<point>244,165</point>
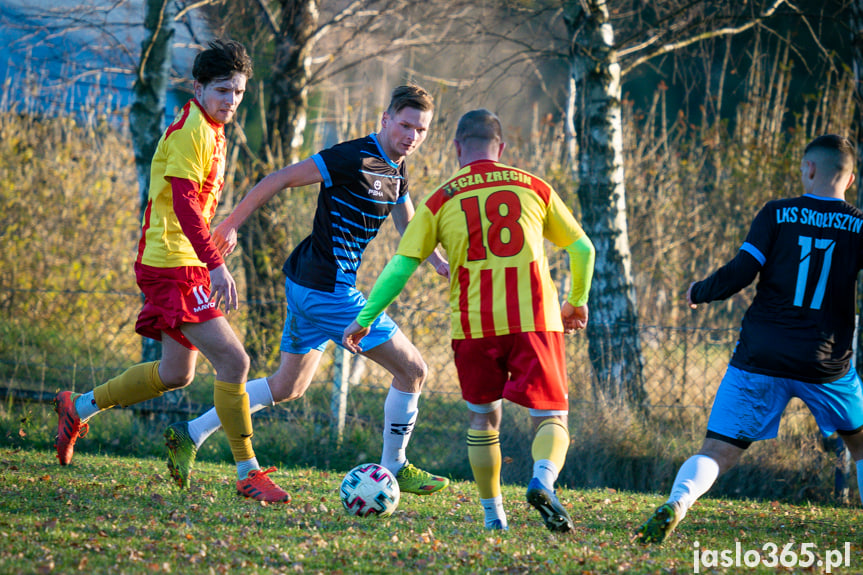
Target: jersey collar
<point>214,124</point>
<point>374,137</point>
<point>823,198</point>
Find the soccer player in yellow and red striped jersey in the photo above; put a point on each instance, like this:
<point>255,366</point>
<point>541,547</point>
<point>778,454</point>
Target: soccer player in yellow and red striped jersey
<point>183,276</point>
<point>507,325</point>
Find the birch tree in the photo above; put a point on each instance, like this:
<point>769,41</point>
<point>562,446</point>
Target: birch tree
<point>855,11</point>
<point>597,66</point>
<point>614,345</point>
<point>147,113</point>
<point>309,47</point>
<point>601,43</point>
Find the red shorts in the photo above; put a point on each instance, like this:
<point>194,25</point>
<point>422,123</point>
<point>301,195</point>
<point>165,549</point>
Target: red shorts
<point>525,368</point>
<point>172,297</point>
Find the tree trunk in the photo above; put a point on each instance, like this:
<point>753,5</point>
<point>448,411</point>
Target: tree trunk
<point>264,237</point>
<point>856,13</point>
<point>147,113</point>
<point>614,346</point>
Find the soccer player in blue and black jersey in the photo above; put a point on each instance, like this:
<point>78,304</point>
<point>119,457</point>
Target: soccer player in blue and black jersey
<point>796,337</point>
<point>362,182</point>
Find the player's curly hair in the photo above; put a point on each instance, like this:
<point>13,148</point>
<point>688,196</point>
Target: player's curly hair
<point>222,59</point>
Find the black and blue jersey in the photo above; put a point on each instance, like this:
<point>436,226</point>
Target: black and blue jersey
<point>808,251</point>
<point>361,187</point>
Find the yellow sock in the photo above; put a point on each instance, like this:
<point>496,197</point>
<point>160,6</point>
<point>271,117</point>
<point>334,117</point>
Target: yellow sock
<point>551,442</point>
<point>138,383</point>
<point>232,407</point>
<point>483,452</point>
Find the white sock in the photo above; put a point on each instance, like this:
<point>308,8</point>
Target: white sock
<point>695,477</point>
<point>243,467</point>
<point>860,479</point>
<point>493,508</point>
<point>260,395</point>
<point>208,423</point>
<point>85,406</point>
<point>546,471</point>
<point>400,415</point>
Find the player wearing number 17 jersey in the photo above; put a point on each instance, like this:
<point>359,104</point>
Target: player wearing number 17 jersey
<point>796,337</point>
<point>507,324</point>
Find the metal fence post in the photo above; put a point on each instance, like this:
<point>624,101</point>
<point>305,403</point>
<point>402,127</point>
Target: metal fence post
<point>338,404</point>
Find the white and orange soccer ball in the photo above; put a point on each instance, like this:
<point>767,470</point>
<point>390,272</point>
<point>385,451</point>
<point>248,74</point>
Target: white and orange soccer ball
<point>369,489</point>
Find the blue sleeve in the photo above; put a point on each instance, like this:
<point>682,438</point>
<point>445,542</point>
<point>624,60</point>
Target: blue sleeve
<point>322,167</point>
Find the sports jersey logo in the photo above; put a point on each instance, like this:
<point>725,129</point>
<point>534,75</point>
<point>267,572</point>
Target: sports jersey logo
<point>202,298</point>
<point>377,190</point>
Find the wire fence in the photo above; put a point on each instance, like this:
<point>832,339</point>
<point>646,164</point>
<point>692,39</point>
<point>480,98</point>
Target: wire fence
<point>77,339</point>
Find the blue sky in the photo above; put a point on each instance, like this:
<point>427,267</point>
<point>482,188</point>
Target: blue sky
<point>61,53</point>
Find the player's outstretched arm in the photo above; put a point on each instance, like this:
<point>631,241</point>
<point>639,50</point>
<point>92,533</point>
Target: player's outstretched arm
<point>302,173</point>
<point>727,280</point>
<point>692,304</point>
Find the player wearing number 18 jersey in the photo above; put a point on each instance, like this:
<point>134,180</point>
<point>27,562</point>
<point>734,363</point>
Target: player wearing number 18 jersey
<point>507,324</point>
<point>492,219</point>
<point>796,337</point>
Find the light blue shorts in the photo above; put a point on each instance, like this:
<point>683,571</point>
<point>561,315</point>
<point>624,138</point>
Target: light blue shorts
<point>316,316</point>
<point>748,405</point>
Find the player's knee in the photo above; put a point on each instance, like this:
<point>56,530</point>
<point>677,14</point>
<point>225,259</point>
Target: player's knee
<point>232,366</point>
<point>287,393</point>
<point>284,388</point>
<point>418,371</point>
<point>723,453</point>
<point>177,380</point>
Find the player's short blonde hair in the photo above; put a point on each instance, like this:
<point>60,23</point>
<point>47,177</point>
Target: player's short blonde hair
<point>410,96</point>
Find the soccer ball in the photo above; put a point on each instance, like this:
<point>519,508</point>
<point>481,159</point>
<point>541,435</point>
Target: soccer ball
<point>369,489</point>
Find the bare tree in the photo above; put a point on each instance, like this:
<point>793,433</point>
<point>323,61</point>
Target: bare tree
<point>597,65</point>
<point>147,113</point>
<point>90,41</point>
<point>856,22</point>
<point>309,47</point>
<point>601,43</point>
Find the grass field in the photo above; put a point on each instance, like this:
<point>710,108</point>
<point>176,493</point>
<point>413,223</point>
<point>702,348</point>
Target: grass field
<point>121,515</point>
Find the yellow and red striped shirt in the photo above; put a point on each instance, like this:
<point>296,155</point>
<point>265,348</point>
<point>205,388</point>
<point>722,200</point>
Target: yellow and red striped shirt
<point>492,219</point>
<point>192,148</point>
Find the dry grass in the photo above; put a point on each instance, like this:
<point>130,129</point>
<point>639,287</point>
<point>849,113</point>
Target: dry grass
<point>69,227</point>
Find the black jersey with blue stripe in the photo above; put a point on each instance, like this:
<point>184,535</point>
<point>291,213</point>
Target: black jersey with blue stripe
<point>807,252</point>
<point>361,187</point>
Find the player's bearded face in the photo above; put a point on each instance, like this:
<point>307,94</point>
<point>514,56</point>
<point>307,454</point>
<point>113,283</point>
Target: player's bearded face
<point>403,132</point>
<point>221,98</point>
